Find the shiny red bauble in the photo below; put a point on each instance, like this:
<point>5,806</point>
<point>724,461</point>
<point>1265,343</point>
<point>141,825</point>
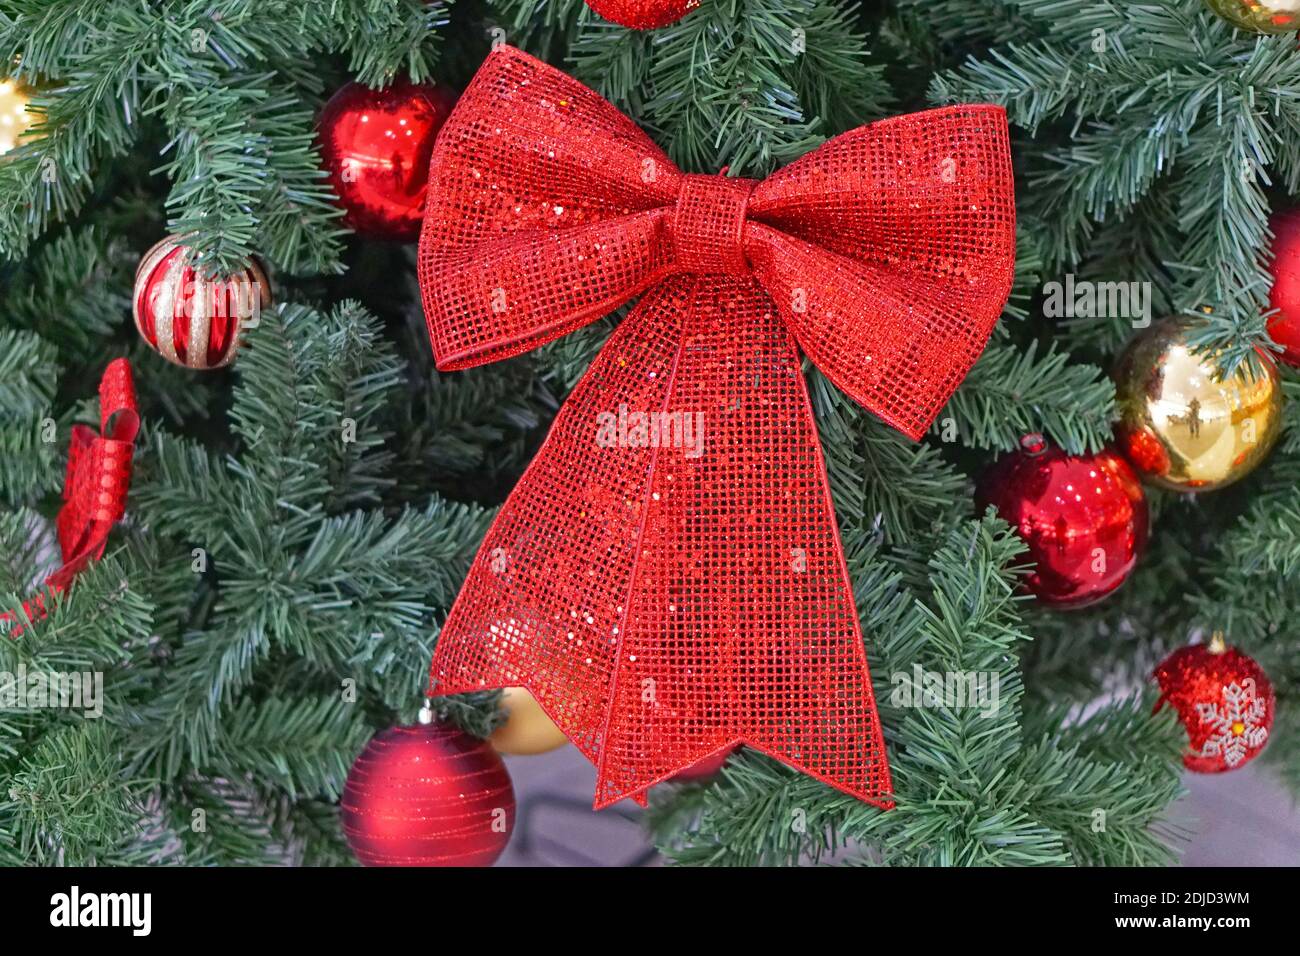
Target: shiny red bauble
<point>1284,325</point>
<point>376,146</point>
<point>427,795</point>
<point>1083,518</point>
<point>643,14</point>
<point>1223,698</point>
<point>188,317</point>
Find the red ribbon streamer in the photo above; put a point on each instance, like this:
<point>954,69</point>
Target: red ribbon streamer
<point>667,577</point>
<point>94,487</point>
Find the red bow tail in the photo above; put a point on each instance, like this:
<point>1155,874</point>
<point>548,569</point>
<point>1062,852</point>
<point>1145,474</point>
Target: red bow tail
<point>602,585</point>
<point>667,577</point>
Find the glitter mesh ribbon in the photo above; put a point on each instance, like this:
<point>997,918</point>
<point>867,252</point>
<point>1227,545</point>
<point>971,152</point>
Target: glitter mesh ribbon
<point>667,577</point>
<point>94,487</point>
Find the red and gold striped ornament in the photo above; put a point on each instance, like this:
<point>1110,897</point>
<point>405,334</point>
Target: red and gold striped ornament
<point>192,319</point>
<point>427,795</point>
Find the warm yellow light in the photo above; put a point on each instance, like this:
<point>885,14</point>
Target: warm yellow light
<point>13,103</point>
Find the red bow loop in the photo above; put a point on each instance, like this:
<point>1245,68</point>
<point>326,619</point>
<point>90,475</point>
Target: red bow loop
<point>890,251</point>
<point>667,577</point>
<point>95,484</point>
<point>99,471</point>
<point>534,180</point>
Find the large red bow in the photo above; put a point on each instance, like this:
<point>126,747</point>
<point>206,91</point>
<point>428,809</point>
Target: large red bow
<point>94,487</point>
<point>667,577</point>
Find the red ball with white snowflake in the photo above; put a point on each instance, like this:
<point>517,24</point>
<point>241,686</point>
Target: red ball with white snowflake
<point>643,14</point>
<point>1223,698</point>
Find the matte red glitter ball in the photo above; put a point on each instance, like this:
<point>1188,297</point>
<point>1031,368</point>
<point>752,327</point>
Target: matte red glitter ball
<point>427,795</point>
<point>643,14</point>
<point>376,146</point>
<point>1083,517</point>
<point>1223,698</point>
<point>1284,326</point>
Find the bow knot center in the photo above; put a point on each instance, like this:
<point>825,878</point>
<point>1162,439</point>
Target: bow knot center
<point>708,224</point>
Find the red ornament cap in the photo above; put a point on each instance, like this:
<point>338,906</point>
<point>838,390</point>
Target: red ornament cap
<point>1224,700</point>
<point>1033,444</point>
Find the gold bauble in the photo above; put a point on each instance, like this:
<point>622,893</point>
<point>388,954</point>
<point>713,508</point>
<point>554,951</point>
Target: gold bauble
<point>1258,16</point>
<point>14,116</point>
<point>527,729</point>
<point>1181,426</point>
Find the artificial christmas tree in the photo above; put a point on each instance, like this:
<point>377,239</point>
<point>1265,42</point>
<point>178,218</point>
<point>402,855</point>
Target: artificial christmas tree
<point>299,523</point>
